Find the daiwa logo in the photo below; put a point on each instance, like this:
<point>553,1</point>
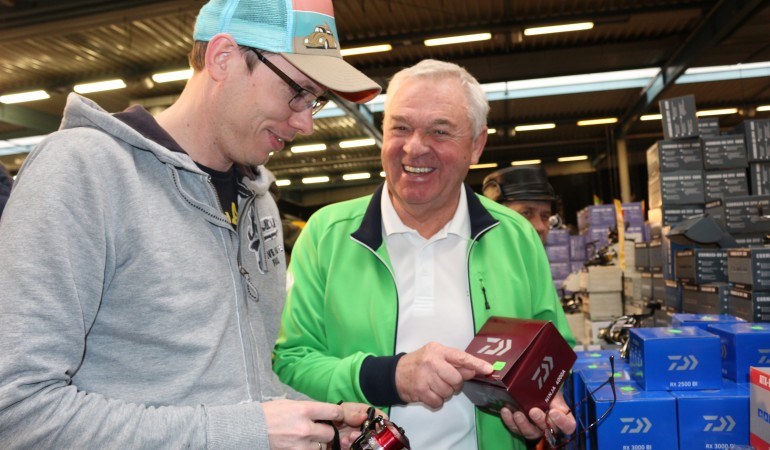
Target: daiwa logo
<point>634,425</point>
<point>542,372</point>
<point>765,355</point>
<point>680,362</point>
<point>719,423</point>
<point>502,346</point>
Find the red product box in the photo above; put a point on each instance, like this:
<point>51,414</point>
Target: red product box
<point>759,408</point>
<point>531,361</point>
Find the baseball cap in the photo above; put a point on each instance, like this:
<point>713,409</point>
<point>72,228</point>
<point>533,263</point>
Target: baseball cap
<point>302,31</point>
<point>519,183</point>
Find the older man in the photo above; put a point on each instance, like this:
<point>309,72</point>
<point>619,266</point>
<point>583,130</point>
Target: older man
<point>142,270</point>
<point>386,290</point>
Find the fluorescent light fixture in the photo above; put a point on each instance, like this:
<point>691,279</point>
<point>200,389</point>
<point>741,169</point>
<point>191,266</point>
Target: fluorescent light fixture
<point>536,126</point>
<point>572,158</point>
<point>177,75</point>
<point>382,174</point>
<point>457,39</point>
<point>589,122</point>
<point>491,130</point>
<point>27,141</point>
<point>558,28</point>
<point>716,112</point>
<point>526,162</point>
<point>484,166</point>
<point>282,183</point>
<point>99,86</point>
<point>22,97</point>
<point>356,176</point>
<point>314,180</point>
<point>308,148</point>
<point>721,73</point>
<point>353,143</point>
<point>367,49</point>
<point>763,108</point>
<point>647,117</point>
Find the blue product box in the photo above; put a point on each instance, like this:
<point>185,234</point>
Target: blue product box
<point>595,377</point>
<point>713,419</point>
<point>633,214</point>
<point>703,320</point>
<point>639,420</point>
<point>577,247</point>
<point>558,237</point>
<point>743,345</point>
<point>669,358</point>
<point>576,266</point>
<point>557,253</point>
<point>559,270</point>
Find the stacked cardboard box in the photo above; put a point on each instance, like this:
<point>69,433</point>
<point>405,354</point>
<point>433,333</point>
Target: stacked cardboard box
<point>748,273</point>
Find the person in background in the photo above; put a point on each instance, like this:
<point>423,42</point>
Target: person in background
<point>6,181</point>
<point>524,189</point>
<point>386,290</point>
<point>142,269</point>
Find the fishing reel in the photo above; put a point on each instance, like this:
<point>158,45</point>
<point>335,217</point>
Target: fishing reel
<point>617,332</point>
<point>380,434</point>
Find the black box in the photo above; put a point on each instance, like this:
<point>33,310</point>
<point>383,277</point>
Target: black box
<point>724,152</point>
<point>647,286</point>
<point>753,306</point>
<point>757,134</point>
<point>642,256</point>
<point>708,126</point>
<point>673,295</point>
<point>679,120</point>
<point>671,215</point>
<point>671,156</point>
<point>531,361</point>
<point>746,214</point>
<point>759,178</point>
<point>655,249</point>
<point>750,267</point>
<point>726,183</point>
<point>658,288</point>
<point>701,265</point>
<point>706,298</point>
<point>748,240</point>
<point>682,187</point>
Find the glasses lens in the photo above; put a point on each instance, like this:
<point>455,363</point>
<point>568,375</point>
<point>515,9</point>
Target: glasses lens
<point>306,100</point>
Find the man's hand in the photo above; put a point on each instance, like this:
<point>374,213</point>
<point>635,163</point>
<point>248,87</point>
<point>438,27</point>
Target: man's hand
<point>560,419</point>
<point>434,373</point>
<point>294,424</point>
<point>350,427</point>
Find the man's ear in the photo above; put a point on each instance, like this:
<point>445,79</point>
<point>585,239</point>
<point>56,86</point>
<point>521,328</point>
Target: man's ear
<point>478,145</point>
<point>220,55</point>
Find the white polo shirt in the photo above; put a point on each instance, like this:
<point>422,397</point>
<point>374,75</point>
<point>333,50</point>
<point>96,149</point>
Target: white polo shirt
<point>433,305</point>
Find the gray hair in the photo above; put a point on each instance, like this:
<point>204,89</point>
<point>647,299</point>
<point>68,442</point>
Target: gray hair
<point>478,106</point>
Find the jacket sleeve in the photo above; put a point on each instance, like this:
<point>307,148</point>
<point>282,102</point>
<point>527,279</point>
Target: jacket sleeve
<point>304,358</point>
<point>53,269</point>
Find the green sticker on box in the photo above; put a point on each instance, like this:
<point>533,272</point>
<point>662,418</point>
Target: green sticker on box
<point>498,365</point>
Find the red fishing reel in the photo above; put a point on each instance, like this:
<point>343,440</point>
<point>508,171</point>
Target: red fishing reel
<point>380,434</point>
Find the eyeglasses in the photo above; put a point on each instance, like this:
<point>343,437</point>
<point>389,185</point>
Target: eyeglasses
<point>549,433</point>
<point>303,99</point>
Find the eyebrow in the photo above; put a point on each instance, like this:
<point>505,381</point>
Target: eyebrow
<point>439,121</point>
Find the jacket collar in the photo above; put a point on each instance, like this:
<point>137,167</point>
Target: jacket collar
<point>370,231</point>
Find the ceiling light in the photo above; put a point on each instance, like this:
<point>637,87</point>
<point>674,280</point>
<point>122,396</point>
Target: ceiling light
<point>716,112</point>
<point>353,143</point>
<point>537,126</point>
<point>647,117</point>
<point>24,97</point>
<point>356,176</point>
<point>558,28</point>
<point>484,166</point>
<point>99,86</point>
<point>382,174</point>
<point>283,183</point>
<point>313,180</point>
<point>27,141</point>
<point>491,130</point>
<point>585,123</point>
<point>572,158</point>
<point>526,162</point>
<point>763,108</point>
<point>365,50</point>
<point>308,148</point>
<point>457,39</point>
<point>177,75</point>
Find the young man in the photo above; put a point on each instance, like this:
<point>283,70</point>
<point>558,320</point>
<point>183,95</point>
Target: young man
<point>142,269</point>
<point>386,290</point>
<point>524,189</point>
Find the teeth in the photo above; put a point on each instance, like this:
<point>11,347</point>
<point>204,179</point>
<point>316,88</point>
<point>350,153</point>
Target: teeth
<point>412,169</point>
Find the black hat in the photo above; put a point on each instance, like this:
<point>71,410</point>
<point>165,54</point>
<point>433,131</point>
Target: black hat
<point>519,183</point>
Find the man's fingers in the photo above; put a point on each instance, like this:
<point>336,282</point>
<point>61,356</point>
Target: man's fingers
<point>460,359</point>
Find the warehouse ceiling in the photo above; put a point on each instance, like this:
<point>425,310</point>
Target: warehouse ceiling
<point>54,44</point>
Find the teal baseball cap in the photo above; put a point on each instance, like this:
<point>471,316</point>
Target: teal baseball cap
<point>302,31</point>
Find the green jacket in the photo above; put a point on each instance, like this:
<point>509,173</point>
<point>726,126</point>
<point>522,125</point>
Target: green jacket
<point>342,302</point>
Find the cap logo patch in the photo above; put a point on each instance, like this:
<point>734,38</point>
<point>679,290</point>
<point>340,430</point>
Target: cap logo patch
<point>321,37</point>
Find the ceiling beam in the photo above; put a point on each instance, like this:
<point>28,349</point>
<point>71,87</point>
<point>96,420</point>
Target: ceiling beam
<point>724,18</point>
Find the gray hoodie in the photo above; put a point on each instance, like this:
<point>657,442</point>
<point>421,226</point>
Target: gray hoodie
<point>132,314</point>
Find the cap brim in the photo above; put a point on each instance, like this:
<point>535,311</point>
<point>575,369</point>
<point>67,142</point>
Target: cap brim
<point>336,75</point>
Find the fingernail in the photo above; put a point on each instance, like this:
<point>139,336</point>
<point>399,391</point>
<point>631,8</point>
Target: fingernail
<point>537,415</point>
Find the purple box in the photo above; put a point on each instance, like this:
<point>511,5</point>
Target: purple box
<point>558,237</point>
<point>557,253</point>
